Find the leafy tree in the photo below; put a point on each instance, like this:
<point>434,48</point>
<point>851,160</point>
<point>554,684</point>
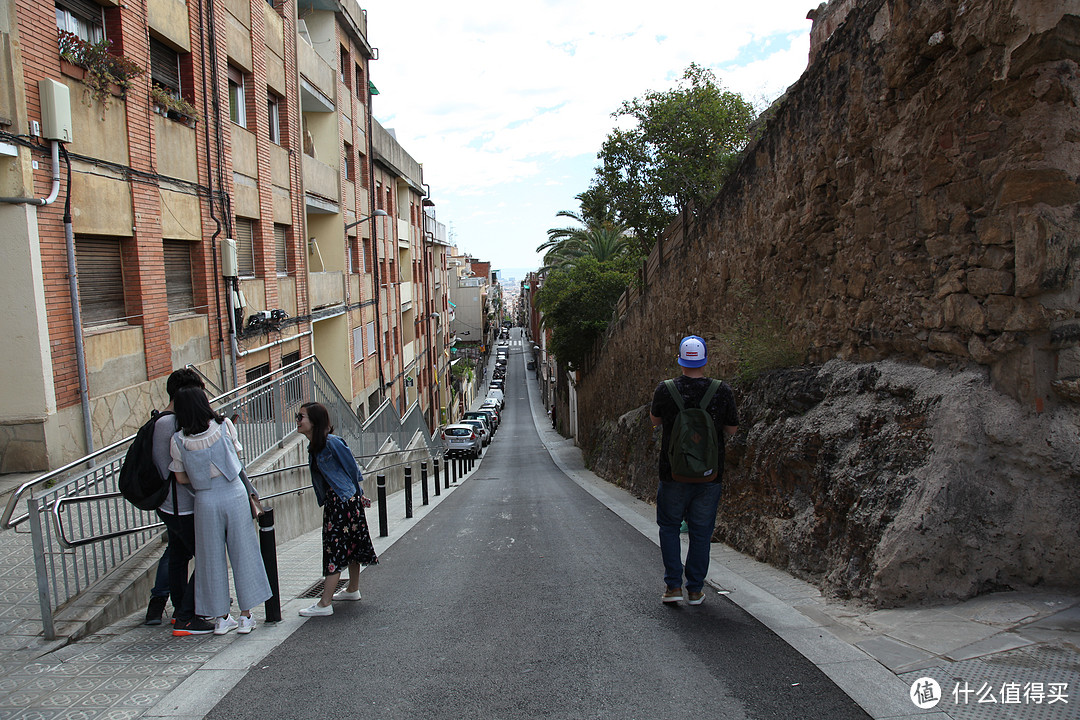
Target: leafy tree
<point>577,301</point>
<point>683,144</point>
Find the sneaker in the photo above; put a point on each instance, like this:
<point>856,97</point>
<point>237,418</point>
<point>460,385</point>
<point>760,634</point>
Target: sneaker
<point>225,624</point>
<point>247,624</point>
<point>671,595</point>
<point>317,610</point>
<point>346,595</point>
<point>154,610</point>
<point>695,598</point>
<point>194,626</point>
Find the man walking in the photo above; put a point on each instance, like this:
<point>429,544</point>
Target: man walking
<point>693,499</point>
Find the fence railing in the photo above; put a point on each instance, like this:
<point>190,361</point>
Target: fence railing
<point>82,528</point>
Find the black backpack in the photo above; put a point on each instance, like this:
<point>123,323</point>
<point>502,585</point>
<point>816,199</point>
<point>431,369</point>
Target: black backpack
<point>140,482</point>
<point>693,450</point>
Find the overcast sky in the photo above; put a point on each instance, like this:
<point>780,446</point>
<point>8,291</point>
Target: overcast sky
<point>507,103</point>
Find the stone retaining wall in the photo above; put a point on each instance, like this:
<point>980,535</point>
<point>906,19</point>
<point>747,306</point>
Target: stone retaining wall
<point>914,197</point>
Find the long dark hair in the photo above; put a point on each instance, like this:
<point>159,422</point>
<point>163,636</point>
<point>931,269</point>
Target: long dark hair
<point>193,411</point>
<point>319,418</point>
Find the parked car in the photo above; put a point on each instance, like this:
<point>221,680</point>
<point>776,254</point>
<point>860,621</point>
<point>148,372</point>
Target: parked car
<point>531,365</point>
<point>461,440</point>
<point>482,428</point>
<point>494,405</point>
<point>498,395</point>
<point>492,414</point>
<point>496,384</point>
<point>480,415</point>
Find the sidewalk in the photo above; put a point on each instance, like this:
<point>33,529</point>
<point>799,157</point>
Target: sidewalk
<point>999,641</point>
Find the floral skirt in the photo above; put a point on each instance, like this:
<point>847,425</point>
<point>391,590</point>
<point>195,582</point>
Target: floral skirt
<point>345,536</point>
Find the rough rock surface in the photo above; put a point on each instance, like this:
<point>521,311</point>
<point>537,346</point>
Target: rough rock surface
<point>890,483</point>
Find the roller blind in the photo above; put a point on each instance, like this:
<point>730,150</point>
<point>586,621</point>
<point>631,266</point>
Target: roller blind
<point>245,247</point>
<point>101,279</point>
<point>180,295</point>
<point>281,257</point>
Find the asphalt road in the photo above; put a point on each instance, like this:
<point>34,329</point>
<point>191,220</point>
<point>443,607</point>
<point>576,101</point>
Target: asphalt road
<point>522,596</point>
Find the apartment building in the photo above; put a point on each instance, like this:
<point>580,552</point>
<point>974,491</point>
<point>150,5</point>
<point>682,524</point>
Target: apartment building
<point>221,196</point>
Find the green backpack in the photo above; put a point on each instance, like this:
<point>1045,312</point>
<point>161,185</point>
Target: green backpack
<point>693,449</point>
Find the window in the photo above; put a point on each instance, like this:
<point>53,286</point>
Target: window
<point>273,105</point>
<point>356,250</point>
<point>237,101</point>
<point>245,247</point>
<point>178,287</point>
<point>378,196</point>
<point>350,163</point>
<point>343,70</point>
<point>84,18</point>
<point>101,279</point>
<point>281,255</point>
<point>165,67</point>
<point>358,344</point>
<point>359,85</point>
<point>367,256</point>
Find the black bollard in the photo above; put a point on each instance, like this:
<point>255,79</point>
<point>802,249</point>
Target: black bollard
<point>268,547</point>
<point>423,482</point>
<point>435,463</point>
<point>380,483</point>
<point>454,463</point>
<point>408,491</point>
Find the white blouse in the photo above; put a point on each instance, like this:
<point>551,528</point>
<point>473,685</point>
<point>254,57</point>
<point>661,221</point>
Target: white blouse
<point>202,441</point>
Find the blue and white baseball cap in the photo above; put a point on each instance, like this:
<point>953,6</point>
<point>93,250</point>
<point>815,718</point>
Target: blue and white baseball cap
<point>692,353</point>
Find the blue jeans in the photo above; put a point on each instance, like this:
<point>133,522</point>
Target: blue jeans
<point>696,503</point>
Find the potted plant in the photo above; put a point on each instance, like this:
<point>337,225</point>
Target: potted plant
<point>104,73</point>
<point>172,106</point>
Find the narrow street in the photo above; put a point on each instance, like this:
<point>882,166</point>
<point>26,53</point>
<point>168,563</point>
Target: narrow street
<point>522,596</point>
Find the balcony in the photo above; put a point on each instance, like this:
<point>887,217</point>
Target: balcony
<point>326,289</point>
<point>320,179</point>
<point>406,289</point>
<point>317,82</point>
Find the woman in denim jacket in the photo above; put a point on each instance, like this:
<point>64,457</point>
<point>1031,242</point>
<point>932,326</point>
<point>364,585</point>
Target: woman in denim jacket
<point>336,479</point>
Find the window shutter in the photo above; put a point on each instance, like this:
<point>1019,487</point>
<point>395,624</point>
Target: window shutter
<point>181,297</point>
<point>245,248</point>
<point>86,9</point>
<point>164,65</point>
<point>369,331</point>
<point>281,257</point>
<point>358,344</point>
<point>101,279</point>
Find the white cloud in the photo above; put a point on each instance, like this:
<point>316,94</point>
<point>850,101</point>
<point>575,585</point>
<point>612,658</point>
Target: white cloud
<point>489,95</point>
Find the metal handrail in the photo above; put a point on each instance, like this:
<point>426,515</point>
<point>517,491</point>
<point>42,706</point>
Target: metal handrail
<point>7,522</point>
<point>64,541</point>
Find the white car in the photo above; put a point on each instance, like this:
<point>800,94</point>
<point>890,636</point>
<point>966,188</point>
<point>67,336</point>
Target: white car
<point>497,395</point>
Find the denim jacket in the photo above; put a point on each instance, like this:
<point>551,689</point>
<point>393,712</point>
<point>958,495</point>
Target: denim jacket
<point>336,468</point>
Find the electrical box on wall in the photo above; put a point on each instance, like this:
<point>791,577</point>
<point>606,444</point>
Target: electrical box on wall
<point>55,110</point>
<point>228,258</point>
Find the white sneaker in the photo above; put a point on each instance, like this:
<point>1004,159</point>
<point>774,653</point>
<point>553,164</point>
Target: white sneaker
<point>247,624</point>
<point>346,595</point>
<point>317,610</point>
<point>224,625</point>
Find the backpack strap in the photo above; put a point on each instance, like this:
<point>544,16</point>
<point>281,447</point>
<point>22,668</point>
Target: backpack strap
<point>713,387</point>
<point>675,394</point>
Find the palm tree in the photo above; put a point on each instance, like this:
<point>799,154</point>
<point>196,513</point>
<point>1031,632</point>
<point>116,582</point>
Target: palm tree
<point>605,241</point>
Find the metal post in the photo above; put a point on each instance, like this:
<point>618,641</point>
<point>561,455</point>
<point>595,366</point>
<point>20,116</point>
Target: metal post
<point>435,463</point>
<point>38,542</point>
<point>408,491</point>
<point>453,470</point>
<point>268,547</point>
<point>423,482</point>
<point>380,484</point>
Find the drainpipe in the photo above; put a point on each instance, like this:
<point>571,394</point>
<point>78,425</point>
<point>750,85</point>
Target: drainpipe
<point>40,202</point>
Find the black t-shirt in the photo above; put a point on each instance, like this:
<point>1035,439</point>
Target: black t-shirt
<point>722,408</point>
